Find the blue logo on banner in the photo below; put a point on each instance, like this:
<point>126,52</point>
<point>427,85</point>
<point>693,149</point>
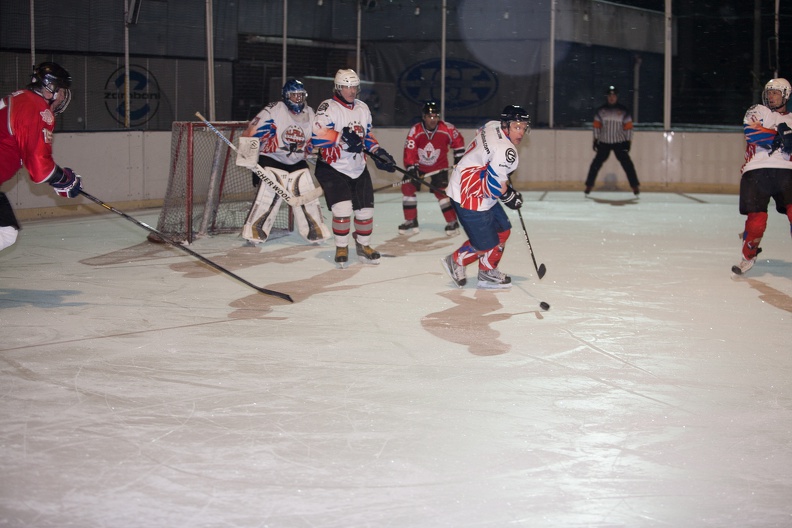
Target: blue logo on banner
<point>468,83</point>
<point>144,95</point>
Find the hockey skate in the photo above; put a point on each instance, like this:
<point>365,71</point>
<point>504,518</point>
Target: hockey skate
<point>454,270</point>
<point>409,227</point>
<point>493,279</point>
<point>366,254</point>
<point>342,257</point>
<point>452,228</point>
<point>745,264</point>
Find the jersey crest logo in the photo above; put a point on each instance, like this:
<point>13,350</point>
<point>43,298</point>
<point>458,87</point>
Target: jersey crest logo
<point>429,154</point>
<point>293,135</point>
<point>511,155</point>
<point>47,116</point>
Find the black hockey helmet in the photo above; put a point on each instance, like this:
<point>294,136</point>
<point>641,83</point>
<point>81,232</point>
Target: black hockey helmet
<point>514,113</point>
<point>52,77</point>
<point>431,107</point>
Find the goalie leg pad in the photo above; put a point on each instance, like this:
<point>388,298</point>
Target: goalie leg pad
<point>7,216</point>
<point>262,215</point>
<point>309,218</point>
<point>8,236</point>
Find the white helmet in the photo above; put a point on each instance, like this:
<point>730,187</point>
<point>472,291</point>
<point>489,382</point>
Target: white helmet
<point>781,85</point>
<point>346,78</point>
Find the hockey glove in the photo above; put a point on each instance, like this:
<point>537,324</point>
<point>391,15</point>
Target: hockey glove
<point>353,141</point>
<point>412,176</point>
<point>66,183</point>
<point>595,146</point>
<point>785,133</point>
<point>384,161</point>
<point>511,198</point>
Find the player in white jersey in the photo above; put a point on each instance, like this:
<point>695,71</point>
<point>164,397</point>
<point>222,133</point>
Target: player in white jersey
<point>341,131</point>
<point>767,171</point>
<point>479,181</point>
<point>279,140</point>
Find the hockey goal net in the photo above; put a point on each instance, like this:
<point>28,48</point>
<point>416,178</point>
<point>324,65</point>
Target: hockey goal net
<point>207,192</point>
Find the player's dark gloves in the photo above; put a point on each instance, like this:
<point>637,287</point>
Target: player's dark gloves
<point>785,134</point>
<point>66,183</point>
<point>412,176</point>
<point>511,198</point>
<point>383,160</point>
<point>595,145</point>
<point>353,141</point>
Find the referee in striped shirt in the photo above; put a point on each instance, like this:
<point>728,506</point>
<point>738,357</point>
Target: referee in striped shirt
<point>613,130</point>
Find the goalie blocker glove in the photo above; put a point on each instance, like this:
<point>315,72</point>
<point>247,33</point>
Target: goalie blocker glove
<point>353,141</point>
<point>511,198</point>
<point>384,161</point>
<point>65,182</point>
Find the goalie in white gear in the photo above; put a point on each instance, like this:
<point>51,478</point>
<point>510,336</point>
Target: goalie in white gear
<point>279,140</point>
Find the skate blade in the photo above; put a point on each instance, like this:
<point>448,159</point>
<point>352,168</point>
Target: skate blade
<point>482,285</point>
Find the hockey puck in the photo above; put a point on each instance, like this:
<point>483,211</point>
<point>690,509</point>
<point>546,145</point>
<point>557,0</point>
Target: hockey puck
<point>544,306</point>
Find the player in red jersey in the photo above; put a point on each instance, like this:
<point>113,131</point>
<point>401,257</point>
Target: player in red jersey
<point>426,152</point>
<point>27,119</point>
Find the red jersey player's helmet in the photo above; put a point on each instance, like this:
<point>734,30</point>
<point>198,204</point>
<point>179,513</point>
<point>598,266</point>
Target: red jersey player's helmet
<point>431,107</point>
<point>781,85</point>
<point>56,80</point>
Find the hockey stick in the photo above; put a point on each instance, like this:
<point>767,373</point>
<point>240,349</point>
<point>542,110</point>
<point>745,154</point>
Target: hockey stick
<point>540,270</point>
<point>415,180</point>
<point>262,174</point>
<point>191,252</point>
<point>402,182</point>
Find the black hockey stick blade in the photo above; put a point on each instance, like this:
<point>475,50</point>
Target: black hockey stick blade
<point>175,244</point>
<point>541,270</point>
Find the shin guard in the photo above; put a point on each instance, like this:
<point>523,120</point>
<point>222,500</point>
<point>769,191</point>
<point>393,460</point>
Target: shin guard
<point>755,226</point>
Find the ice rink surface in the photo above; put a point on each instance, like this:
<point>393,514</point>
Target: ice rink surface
<point>141,388</point>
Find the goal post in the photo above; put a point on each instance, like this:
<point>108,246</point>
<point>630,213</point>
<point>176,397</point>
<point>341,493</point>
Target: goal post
<point>207,192</point>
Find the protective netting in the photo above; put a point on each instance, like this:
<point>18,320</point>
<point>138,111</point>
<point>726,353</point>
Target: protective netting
<point>207,193</point>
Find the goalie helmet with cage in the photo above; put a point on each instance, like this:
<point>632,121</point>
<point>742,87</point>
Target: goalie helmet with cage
<point>294,95</point>
<point>346,78</point>
<point>54,79</point>
<point>780,85</point>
